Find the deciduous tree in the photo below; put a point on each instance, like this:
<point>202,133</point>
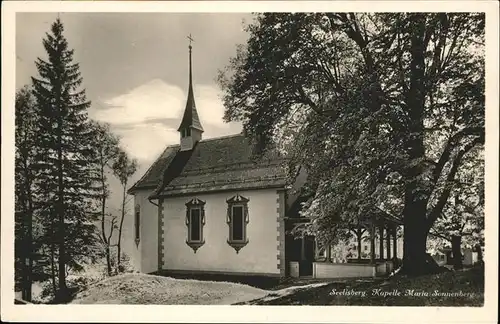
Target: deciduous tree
<point>123,168</point>
<point>462,221</point>
<point>365,102</point>
<point>106,145</point>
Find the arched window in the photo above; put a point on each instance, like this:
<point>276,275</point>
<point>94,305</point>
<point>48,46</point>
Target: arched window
<point>195,220</point>
<point>237,219</point>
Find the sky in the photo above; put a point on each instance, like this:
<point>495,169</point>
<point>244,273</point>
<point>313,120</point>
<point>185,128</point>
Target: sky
<point>135,69</point>
<point>135,72</point>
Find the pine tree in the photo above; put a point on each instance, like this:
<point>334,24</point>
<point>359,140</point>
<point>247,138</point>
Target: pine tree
<point>24,196</point>
<point>66,160</point>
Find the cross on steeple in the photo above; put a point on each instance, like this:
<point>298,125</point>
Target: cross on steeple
<point>190,40</point>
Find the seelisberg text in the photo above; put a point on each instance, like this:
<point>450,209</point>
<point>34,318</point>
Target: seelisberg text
<point>398,293</point>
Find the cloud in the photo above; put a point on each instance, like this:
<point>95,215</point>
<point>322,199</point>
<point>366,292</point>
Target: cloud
<point>210,107</point>
<point>146,118</point>
<point>146,141</point>
<point>152,100</point>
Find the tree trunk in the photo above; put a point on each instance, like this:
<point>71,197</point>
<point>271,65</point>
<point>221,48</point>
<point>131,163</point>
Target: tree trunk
<point>103,223</point>
<point>359,243</point>
<point>415,235</point>
<point>388,243</point>
<point>108,260</point>
<point>381,243</point>
<point>395,244</point>
<point>479,254</point>
<point>119,244</point>
<point>62,292</point>
<point>456,242</point>
<point>26,233</point>
<point>29,243</point>
<point>61,295</point>
<point>27,261</point>
<point>53,268</point>
<point>415,194</point>
<point>21,241</point>
<point>329,252</point>
<point>372,244</point>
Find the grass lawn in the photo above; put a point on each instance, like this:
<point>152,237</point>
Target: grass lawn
<point>467,285</point>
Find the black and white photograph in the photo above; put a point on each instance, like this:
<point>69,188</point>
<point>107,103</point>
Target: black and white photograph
<point>290,156</point>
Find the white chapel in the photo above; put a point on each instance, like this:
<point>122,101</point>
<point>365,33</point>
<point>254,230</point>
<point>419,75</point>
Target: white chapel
<point>209,206</point>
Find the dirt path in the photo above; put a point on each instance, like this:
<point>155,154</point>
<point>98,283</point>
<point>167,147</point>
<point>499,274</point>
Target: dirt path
<point>149,289</point>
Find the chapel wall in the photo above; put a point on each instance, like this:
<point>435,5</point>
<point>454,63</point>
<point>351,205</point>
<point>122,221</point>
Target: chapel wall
<point>260,256</point>
<point>144,255</point>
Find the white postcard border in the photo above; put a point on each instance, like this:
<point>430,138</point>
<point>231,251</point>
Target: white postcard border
<point>223,314</point>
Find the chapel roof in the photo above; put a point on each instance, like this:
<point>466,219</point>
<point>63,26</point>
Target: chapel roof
<point>216,164</point>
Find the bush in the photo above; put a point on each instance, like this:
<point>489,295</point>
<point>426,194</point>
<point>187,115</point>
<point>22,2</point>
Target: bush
<point>125,265</point>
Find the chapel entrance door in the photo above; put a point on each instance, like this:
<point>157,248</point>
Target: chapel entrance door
<point>307,256</point>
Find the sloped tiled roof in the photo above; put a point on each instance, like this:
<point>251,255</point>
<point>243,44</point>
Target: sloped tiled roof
<point>190,117</point>
<point>152,176</point>
<point>224,163</point>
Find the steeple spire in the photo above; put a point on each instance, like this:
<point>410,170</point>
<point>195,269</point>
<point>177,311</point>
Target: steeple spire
<point>190,127</point>
<point>190,118</point>
<point>190,65</point>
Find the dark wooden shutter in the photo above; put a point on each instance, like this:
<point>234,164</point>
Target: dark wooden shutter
<point>137,224</point>
<point>195,224</point>
<point>238,223</point>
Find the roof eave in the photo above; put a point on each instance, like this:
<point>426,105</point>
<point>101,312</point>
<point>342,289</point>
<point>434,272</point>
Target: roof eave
<point>134,188</point>
<point>204,190</point>
<point>190,126</point>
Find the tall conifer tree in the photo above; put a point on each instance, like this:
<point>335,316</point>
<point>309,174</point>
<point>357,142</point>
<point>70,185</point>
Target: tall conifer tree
<point>24,196</point>
<point>66,160</point>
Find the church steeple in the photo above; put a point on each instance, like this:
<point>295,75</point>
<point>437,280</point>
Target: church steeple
<point>190,127</point>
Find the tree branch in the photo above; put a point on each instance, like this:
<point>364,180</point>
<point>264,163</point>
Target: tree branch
<point>439,235</point>
<point>450,145</point>
<point>463,225</point>
<point>438,208</point>
<point>439,47</point>
<point>113,223</point>
<point>307,101</point>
